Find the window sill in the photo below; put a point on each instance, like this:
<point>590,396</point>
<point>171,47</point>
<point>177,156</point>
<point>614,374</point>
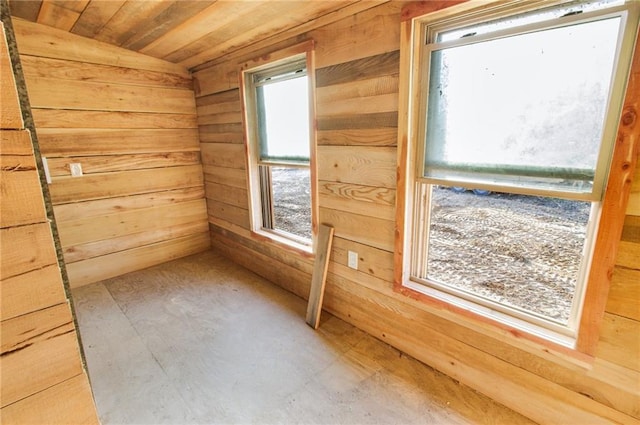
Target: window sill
<point>283,242</point>
<point>528,337</point>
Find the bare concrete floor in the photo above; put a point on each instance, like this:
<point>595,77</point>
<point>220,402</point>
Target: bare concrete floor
<point>202,340</point>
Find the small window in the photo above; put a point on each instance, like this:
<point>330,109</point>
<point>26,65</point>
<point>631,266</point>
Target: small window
<point>514,130</point>
<point>280,142</point>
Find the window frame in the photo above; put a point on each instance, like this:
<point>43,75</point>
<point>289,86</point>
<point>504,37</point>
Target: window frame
<point>410,156</point>
<point>272,61</point>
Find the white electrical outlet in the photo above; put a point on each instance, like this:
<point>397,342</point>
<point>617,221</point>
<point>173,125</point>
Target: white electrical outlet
<point>353,260</point>
<point>76,169</point>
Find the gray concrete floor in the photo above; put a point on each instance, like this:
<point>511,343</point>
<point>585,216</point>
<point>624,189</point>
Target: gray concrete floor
<point>202,340</point>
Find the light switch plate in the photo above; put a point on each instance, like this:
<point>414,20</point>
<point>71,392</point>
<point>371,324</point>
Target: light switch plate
<point>76,169</point>
<point>353,260</point>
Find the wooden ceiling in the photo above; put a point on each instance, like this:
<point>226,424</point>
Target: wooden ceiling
<point>186,32</point>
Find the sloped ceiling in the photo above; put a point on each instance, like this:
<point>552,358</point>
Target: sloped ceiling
<point>186,32</point>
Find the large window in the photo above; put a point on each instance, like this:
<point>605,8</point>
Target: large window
<point>280,144</point>
<point>513,130</point>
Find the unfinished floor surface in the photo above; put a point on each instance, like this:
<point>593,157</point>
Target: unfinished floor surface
<point>202,340</point>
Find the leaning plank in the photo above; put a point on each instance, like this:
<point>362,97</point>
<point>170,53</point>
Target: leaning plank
<point>25,248</point>
<point>30,292</point>
<point>319,279</point>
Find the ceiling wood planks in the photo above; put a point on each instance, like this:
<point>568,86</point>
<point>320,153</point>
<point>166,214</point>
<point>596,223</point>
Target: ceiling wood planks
<point>188,32</point>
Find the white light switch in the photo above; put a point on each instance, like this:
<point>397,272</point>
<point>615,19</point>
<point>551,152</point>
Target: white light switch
<point>353,260</point>
<point>76,169</point>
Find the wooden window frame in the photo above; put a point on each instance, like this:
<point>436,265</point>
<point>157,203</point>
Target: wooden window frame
<point>614,201</point>
<point>252,150</point>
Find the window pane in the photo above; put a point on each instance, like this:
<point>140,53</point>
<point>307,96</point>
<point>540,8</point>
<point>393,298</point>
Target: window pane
<point>526,110</point>
<point>292,200</point>
<point>283,115</point>
<point>516,250</point>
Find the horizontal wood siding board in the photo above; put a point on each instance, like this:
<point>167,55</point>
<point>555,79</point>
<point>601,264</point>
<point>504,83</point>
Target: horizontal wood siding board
<point>68,402</point>
<point>358,137</point>
<point>366,166</point>
<point>227,176</point>
<point>360,69</point>
<point>78,142</point>
<point>375,86</point>
<point>66,118</point>
<point>290,278</point>
<point>227,96</point>
<point>231,213</point>
<point>107,185</point>
<point>21,202</point>
<point>31,291</point>
<point>65,70</point>
<point>50,361</point>
<point>365,200</point>
<point>40,40</point>
<point>366,230</point>
<point>270,250</point>
<point>29,329</point>
<point>114,264</point>
<point>226,155</point>
<point>26,248</point>
<point>372,262</point>
<point>220,118</point>
<point>110,163</point>
<point>624,293</point>
<point>620,341</point>
<point>216,137</point>
<point>109,206</point>
<point>126,242</point>
<point>360,105</point>
<point>52,93</point>
<point>228,194</point>
<point>92,229</point>
<point>222,128</point>
<point>358,121</point>
<point>221,108</point>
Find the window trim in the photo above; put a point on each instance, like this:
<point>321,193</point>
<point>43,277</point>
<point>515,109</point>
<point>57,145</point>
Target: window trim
<point>613,206</point>
<point>300,51</point>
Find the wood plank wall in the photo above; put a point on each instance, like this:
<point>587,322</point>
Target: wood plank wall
<point>130,121</point>
<point>42,380</point>
<point>357,95</point>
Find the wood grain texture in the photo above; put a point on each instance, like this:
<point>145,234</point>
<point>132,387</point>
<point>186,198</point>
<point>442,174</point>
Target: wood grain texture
<point>109,163</point>
<point>50,93</point>
<point>367,166</point>
<point>31,291</point>
<point>50,361</point>
<point>68,402</point>
<point>25,248</point>
<point>319,276</point>
<point>625,293</point>
<point>359,137</point>
<point>10,114</point>
<point>95,17</point>
<point>620,341</point>
<point>367,230</point>
<point>223,155</point>
<point>366,200</point>
<point>108,185</point>
<point>359,69</point>
<point>100,268</point>
<point>78,142</point>
<point>40,40</point>
<point>54,118</point>
<point>45,67</point>
<point>114,205</point>
<point>25,9</point>
<point>91,229</point>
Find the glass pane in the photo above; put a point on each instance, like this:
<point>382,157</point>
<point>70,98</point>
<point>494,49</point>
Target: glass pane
<point>283,115</point>
<point>520,251</point>
<point>292,200</point>
<point>528,109</point>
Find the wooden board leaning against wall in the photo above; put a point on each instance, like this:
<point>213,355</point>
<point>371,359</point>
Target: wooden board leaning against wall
<point>357,104</point>
<point>42,378</point>
<point>129,121</point>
